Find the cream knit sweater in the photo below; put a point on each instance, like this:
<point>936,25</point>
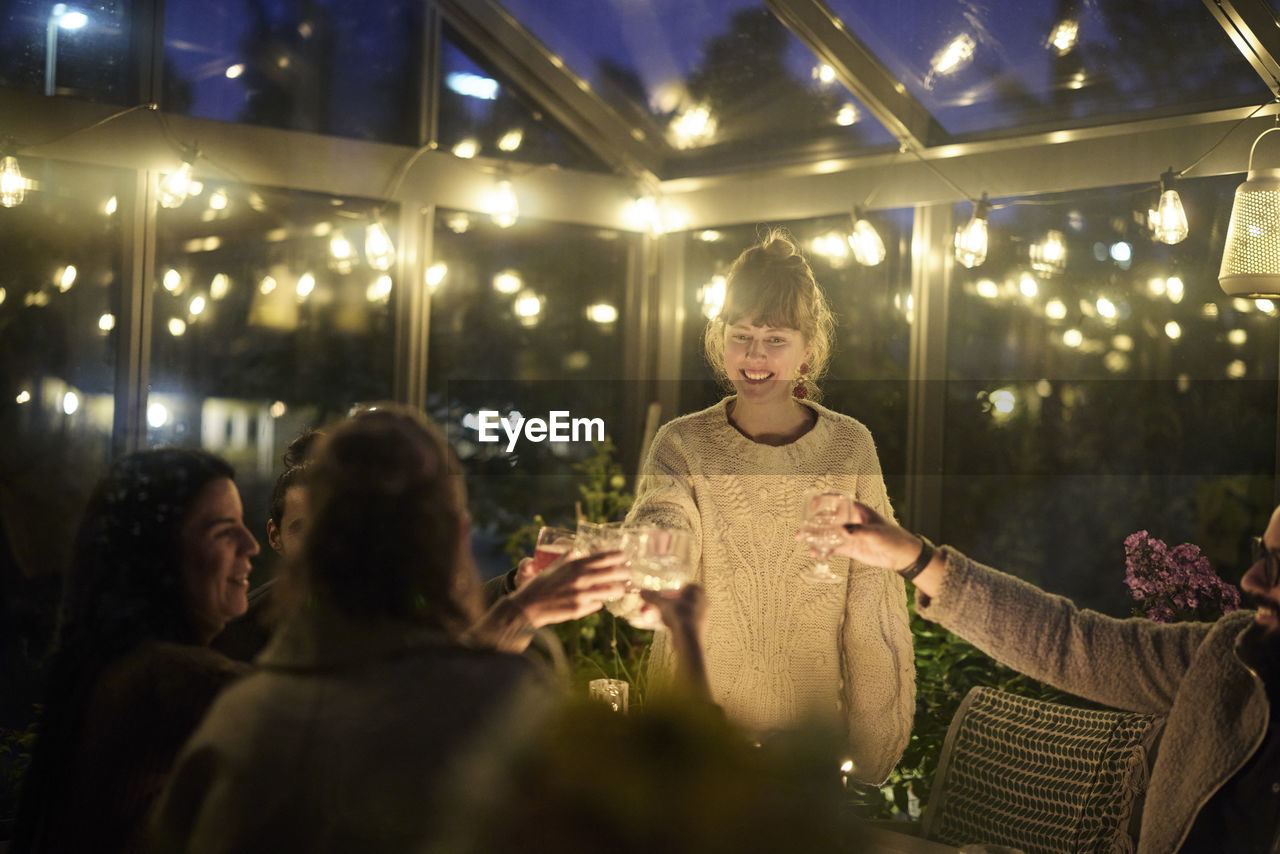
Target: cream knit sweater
<point>779,648</point>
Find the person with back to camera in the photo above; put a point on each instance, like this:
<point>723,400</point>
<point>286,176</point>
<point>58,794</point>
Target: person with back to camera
<point>379,673</point>
<point>778,647</point>
<point>1215,786</point>
<point>161,563</point>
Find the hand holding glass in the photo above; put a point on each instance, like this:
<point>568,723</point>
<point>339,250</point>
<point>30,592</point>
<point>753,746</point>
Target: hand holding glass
<point>660,558</point>
<point>553,544</point>
<point>824,515</point>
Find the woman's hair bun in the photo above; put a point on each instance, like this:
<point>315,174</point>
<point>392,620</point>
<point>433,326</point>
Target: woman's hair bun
<point>778,247</point>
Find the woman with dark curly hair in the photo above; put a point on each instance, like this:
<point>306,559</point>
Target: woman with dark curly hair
<point>161,563</point>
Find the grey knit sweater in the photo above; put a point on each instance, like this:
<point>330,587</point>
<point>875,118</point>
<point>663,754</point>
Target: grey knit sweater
<point>1216,706</point>
<point>780,648</point>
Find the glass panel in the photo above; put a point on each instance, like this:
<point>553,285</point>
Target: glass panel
<point>481,114</point>
<point>1112,390</point>
<point>529,319</point>
<point>324,66</point>
<point>979,67</point>
<point>60,297</point>
<point>714,79</point>
<point>77,49</point>
<point>867,376</point>
<point>269,317</point>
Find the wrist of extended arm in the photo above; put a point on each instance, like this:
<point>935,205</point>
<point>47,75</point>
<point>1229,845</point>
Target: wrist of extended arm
<point>921,562</point>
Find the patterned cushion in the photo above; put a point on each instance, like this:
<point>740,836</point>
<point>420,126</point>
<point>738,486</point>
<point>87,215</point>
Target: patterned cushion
<point>1039,776</point>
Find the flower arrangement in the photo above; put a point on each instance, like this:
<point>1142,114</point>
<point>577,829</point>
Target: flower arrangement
<point>1174,584</point>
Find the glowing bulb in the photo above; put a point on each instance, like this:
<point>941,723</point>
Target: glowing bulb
<point>219,286</point>
<point>435,275</point>
<point>278,409</point>
<point>172,281</point>
<point>218,200</point>
<point>176,186</point>
<point>1209,310</point>
<point>1175,289</point>
<point>3,294</point>
<point>528,305</point>
<point>1173,330</point>
<point>379,251</point>
<point>868,248</point>
<point>1027,284</point>
<point>1156,287</point>
<point>107,322</point>
<point>711,295</point>
<point>987,289</point>
<point>1170,222</point>
<point>1264,305</point>
<point>693,126</point>
<point>1123,343</point>
<point>955,55</point>
<point>1237,337</point>
<point>602,313</point>
<point>466,149</point>
<point>507,282</point>
<point>1073,338</point>
<point>111,206</point>
<point>847,115</point>
<point>1106,308</point>
<point>1055,309</point>
<point>511,140</point>
<point>379,290</point>
<point>67,278</point>
<point>13,187</point>
<point>504,207</point>
<point>70,402</point>
<point>157,415</point>
<point>1063,37</point>
<point>234,71</point>
<point>267,285</point>
<point>1236,369</point>
<point>196,306</point>
<point>306,284</point>
<point>24,396</point>
<point>971,238</point>
<point>1003,401</point>
<point>1050,256</point>
<point>1121,252</point>
<point>69,20</point>
<point>177,327</point>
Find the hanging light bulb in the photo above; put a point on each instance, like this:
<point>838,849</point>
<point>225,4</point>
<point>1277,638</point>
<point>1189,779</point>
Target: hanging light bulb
<point>504,207</point>
<point>13,187</point>
<point>379,251</point>
<point>971,238</point>
<point>868,248</point>
<point>1251,255</point>
<point>176,186</point>
<point>1170,221</point>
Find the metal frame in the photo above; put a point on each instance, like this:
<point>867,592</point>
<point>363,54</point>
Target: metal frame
<point>1252,27</point>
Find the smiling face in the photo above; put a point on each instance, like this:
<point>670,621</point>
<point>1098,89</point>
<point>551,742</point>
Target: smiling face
<point>286,538</point>
<point>216,547</point>
<point>1267,596</point>
<point>763,362</point>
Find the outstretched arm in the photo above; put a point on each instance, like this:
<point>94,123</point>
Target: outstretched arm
<point>685,615</point>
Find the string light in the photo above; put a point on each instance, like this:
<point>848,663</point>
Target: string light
<point>379,251</point>
<point>1170,221</point>
<point>504,207</point>
<point>175,187</point>
<point>864,240</point>
<point>13,186</point>
<point>971,238</point>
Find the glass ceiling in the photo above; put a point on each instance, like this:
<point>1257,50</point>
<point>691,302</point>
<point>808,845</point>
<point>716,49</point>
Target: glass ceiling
<point>707,76</point>
<point>724,82</point>
<point>983,66</point>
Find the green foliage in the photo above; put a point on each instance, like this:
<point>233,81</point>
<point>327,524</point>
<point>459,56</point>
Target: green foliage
<point>15,756</point>
<point>599,645</point>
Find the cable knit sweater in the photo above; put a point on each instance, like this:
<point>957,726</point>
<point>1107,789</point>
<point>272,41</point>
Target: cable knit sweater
<point>780,648</point>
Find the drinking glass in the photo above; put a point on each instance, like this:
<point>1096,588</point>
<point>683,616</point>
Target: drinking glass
<point>553,544</point>
<point>825,512</point>
<point>598,537</point>
<point>660,558</point>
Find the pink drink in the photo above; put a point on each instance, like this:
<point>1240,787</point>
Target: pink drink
<point>548,553</point>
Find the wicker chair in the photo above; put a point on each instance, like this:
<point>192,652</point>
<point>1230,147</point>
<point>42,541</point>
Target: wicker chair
<point>1039,776</point>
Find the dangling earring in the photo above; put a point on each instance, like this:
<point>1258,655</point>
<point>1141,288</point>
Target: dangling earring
<point>799,391</point>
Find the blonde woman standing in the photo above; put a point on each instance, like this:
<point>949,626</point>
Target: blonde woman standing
<point>780,648</point>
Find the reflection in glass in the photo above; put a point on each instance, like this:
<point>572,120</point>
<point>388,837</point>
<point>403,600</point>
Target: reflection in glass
<point>255,334</point>
<point>1118,391</point>
<point>525,321</point>
<point>76,49</point>
<point>723,80</point>
<point>326,66</point>
<point>60,295</point>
